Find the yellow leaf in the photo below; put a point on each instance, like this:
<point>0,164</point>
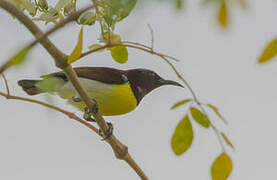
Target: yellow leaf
<point>222,167</point>
<point>96,47</point>
<point>120,54</point>
<point>16,60</point>
<point>269,52</point>
<point>180,103</point>
<point>223,15</point>
<point>182,137</point>
<point>215,109</point>
<point>227,140</point>
<point>200,117</point>
<point>76,53</point>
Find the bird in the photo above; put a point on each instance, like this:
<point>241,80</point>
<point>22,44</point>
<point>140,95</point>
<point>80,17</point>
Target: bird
<point>116,91</point>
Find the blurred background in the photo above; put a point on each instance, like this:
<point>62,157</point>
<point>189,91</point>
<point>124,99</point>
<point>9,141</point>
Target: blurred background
<point>38,143</point>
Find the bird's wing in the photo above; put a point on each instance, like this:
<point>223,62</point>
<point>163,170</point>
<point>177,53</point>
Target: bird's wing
<point>102,74</point>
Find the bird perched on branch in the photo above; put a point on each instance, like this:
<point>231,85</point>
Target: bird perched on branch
<point>115,91</point>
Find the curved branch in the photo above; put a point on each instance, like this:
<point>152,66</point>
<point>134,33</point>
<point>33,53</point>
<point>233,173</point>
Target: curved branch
<point>35,30</point>
<point>129,44</point>
<point>120,150</point>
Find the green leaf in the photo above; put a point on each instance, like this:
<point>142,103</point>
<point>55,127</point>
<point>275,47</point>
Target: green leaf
<point>87,18</point>
<point>30,7</point>
<point>269,52</point>
<point>227,140</point>
<point>179,4</point>
<point>62,3</point>
<point>50,16</point>
<point>215,109</point>
<point>76,53</point>
<point>120,54</point>
<point>16,60</point>
<point>200,117</point>
<point>182,137</point>
<point>117,10</point>
<point>96,47</point>
<point>222,167</point>
<point>180,103</point>
<point>43,4</point>
<point>110,38</point>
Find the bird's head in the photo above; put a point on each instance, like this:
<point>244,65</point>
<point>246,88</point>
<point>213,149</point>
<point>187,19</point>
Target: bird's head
<point>144,81</point>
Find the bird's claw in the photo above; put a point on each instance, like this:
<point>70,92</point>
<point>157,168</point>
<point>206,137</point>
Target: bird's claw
<point>95,108</point>
<point>109,132</point>
<point>88,113</point>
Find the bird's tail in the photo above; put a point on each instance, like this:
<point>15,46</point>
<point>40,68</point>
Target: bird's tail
<point>29,86</point>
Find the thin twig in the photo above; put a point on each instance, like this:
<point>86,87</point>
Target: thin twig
<point>152,36</point>
<point>6,84</point>
<point>130,46</point>
<point>67,113</point>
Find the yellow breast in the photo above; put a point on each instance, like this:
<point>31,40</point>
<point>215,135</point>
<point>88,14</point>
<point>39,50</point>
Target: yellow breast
<point>120,101</point>
<point>112,99</point>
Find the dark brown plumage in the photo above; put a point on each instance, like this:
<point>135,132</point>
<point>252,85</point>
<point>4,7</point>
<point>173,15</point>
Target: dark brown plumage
<point>142,81</point>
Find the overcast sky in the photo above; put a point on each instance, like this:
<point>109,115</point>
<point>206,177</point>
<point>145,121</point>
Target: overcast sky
<point>37,143</point>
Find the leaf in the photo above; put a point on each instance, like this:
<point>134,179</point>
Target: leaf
<point>200,117</point>
<point>88,18</point>
<point>30,7</point>
<point>120,54</point>
<point>222,167</point>
<point>96,47</point>
<point>223,15</point>
<point>110,38</point>
<point>215,109</point>
<point>180,103</point>
<point>16,60</point>
<point>117,10</point>
<point>269,52</point>
<point>62,3</point>
<point>182,137</point>
<point>227,140</point>
<point>179,4</point>
<point>50,16</point>
<point>76,53</point>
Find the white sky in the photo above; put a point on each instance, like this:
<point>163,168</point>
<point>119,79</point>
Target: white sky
<point>37,143</point>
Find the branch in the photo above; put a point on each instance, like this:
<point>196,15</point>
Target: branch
<point>35,30</point>
<point>129,44</point>
<point>166,58</point>
<point>120,150</point>
<point>67,113</point>
<point>71,17</point>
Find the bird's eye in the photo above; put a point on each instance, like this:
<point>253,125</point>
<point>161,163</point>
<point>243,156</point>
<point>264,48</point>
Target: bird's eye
<point>153,75</point>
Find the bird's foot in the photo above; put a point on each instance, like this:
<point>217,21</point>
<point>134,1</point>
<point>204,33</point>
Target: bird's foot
<point>95,108</point>
<point>109,132</point>
<point>88,113</point>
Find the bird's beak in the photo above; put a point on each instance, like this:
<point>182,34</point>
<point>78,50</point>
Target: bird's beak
<point>170,82</point>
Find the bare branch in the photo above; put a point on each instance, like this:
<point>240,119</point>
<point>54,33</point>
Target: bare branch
<point>6,85</point>
<point>120,150</point>
<point>152,36</point>
<point>130,45</point>
<point>67,113</point>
